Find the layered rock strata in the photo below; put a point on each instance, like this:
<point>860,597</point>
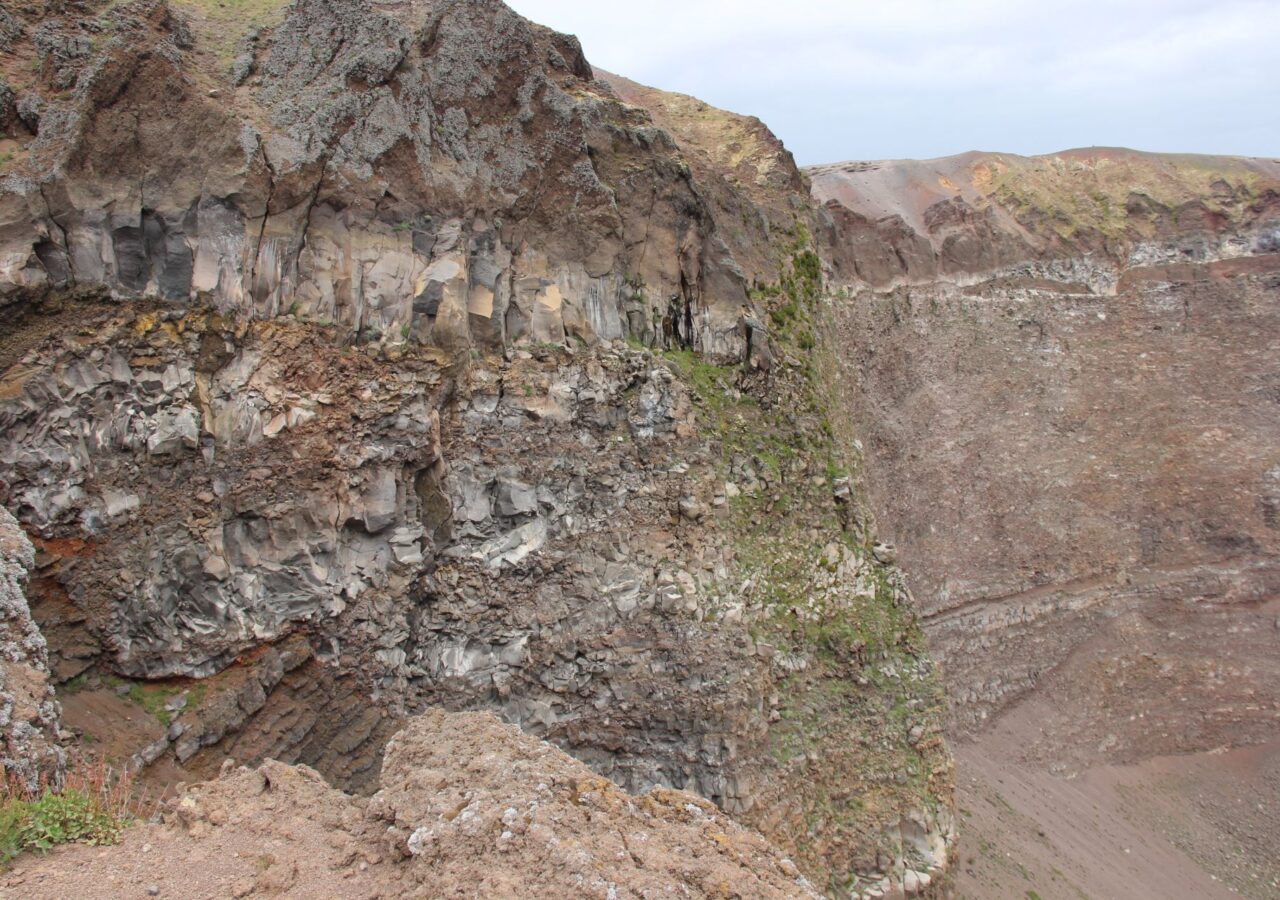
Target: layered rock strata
<point>393,361</point>
<point>629,554</point>
<point>1064,371</point>
<point>429,172</point>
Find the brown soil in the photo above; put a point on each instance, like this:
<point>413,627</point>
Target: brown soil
<point>114,728</point>
<point>1205,825</point>
<point>469,807</point>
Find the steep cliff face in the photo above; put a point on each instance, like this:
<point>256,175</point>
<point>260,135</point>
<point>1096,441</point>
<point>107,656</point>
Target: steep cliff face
<point>747,176</point>
<point>1063,370</point>
<point>358,360</point>
<point>442,172</point>
<point>380,358</point>
<point>1065,374</point>
<point>649,559</point>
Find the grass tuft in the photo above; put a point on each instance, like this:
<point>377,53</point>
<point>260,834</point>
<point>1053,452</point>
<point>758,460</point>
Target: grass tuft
<point>93,805</point>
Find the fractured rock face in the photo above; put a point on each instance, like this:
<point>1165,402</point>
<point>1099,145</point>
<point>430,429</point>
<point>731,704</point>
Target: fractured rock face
<point>430,172</point>
<point>230,505</point>
<point>29,712</point>
<point>357,534</point>
<point>343,385</point>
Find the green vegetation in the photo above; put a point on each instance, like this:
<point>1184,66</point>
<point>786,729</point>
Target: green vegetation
<point>222,24</point>
<point>92,806</point>
<point>74,685</point>
<point>713,385</point>
<point>151,696</point>
<point>1070,197</point>
<point>815,595</point>
<point>792,302</point>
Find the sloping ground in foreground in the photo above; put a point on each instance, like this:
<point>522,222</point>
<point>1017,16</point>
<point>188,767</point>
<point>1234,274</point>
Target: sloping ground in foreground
<point>468,807</point>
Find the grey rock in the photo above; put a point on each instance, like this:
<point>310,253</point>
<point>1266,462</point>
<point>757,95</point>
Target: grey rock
<point>29,713</point>
<point>515,499</point>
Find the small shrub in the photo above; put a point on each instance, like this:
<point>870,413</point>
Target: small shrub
<point>92,806</point>
<point>785,314</point>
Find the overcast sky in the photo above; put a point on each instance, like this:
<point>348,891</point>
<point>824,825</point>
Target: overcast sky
<point>923,78</point>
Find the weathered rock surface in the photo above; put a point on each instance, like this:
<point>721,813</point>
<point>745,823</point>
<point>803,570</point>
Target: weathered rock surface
<point>1076,220</point>
<point>468,807</point>
<point>1063,372</point>
<point>346,373</point>
<point>392,361</point>
<point>220,505</point>
<point>343,375</point>
<point>29,713</point>
<point>747,176</point>
<point>420,171</point>
<point>555,543</point>
<point>1071,434</point>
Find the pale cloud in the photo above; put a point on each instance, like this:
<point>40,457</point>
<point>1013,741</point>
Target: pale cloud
<point>932,77</point>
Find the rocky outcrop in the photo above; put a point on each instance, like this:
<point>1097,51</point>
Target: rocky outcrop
<point>468,806</point>
<point>1077,219</point>
<point>29,713</point>
<point>391,362</point>
<point>359,360</point>
<point>588,542</point>
<point>1070,435</point>
<point>746,175</point>
<point>224,506</point>
<point>424,172</point>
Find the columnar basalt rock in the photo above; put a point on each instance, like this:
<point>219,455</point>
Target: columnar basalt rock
<point>430,172</point>
<point>357,360</point>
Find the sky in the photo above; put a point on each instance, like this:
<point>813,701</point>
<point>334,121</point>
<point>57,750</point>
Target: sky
<point>925,78</point>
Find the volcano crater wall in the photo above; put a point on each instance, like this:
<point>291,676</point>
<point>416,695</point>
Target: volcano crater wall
<point>1073,442</point>
<point>370,358</point>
